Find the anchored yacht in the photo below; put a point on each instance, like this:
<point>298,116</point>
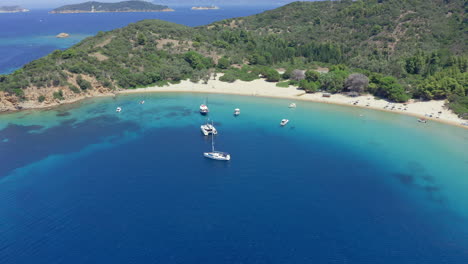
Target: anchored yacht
<point>204,109</point>
<point>208,129</point>
<point>216,155</point>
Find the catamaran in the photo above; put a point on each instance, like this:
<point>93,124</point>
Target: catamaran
<point>216,155</point>
<point>208,128</point>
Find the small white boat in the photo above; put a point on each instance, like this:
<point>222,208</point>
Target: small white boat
<point>422,120</point>
<point>204,109</point>
<point>119,109</point>
<point>216,155</point>
<point>292,105</point>
<point>236,111</point>
<point>208,129</point>
<point>284,122</point>
<point>142,102</point>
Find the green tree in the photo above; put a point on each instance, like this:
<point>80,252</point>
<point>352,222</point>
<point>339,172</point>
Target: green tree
<point>272,75</point>
<point>312,76</point>
<point>224,63</point>
<point>141,39</point>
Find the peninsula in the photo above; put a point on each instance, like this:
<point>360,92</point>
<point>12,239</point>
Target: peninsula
<point>12,9</point>
<point>388,51</point>
<point>98,7</point>
<point>205,8</point>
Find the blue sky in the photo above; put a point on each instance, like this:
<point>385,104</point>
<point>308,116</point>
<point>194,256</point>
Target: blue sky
<point>57,3</point>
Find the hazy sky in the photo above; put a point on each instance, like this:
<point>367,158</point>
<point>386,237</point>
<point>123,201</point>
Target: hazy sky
<point>57,3</point>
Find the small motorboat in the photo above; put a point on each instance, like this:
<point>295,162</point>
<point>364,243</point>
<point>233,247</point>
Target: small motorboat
<point>142,102</point>
<point>208,129</point>
<point>119,109</point>
<point>422,120</point>
<point>284,122</point>
<point>236,112</point>
<point>204,109</point>
<point>292,105</point>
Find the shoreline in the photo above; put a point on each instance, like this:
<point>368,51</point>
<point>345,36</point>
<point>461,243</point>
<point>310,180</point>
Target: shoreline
<point>262,88</point>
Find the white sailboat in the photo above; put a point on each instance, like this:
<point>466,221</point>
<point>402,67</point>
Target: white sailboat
<point>216,155</point>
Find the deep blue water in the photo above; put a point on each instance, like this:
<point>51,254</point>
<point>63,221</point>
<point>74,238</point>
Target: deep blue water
<point>83,184</point>
<point>28,36</point>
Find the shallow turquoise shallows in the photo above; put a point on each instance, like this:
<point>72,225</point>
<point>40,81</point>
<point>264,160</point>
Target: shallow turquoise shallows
<point>84,184</point>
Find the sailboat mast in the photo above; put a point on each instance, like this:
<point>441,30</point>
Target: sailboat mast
<point>212,142</point>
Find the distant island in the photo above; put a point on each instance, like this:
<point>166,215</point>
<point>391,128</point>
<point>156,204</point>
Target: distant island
<point>12,9</point>
<point>205,8</point>
<point>98,7</point>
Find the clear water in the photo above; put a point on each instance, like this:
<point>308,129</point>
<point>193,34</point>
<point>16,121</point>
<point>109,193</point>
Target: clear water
<point>84,184</point>
<point>28,36</point>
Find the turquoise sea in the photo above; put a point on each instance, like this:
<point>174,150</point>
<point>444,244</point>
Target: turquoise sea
<point>84,184</point>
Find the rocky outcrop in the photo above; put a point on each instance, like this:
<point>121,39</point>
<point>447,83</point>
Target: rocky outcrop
<point>63,35</point>
<point>35,98</point>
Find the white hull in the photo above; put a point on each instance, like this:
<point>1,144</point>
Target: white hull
<point>204,109</point>
<point>208,129</point>
<point>217,156</point>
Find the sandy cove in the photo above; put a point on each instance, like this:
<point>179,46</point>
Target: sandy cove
<point>431,110</point>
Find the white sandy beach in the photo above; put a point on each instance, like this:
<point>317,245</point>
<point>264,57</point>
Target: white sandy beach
<point>431,110</point>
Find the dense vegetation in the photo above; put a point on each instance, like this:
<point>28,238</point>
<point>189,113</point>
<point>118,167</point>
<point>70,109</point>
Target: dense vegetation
<point>394,49</point>
<point>111,7</point>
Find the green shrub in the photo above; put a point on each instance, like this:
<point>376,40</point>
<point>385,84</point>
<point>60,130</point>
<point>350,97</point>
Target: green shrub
<point>74,88</point>
<point>41,99</point>
<point>84,85</point>
<point>224,63</point>
<point>283,84</point>
<point>58,95</point>
<point>271,75</point>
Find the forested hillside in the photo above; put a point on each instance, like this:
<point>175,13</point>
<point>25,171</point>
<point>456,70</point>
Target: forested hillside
<point>405,48</point>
